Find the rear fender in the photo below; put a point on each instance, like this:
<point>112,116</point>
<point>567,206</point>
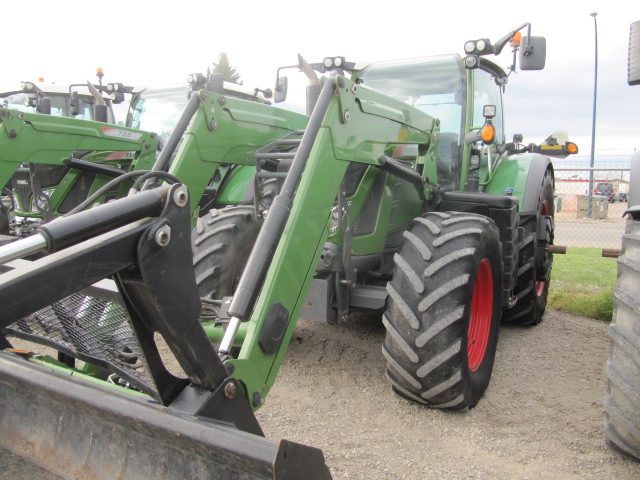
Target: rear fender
<point>523,174</point>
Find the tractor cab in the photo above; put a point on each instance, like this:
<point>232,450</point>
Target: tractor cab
<point>157,108</point>
<point>441,87</point>
<point>71,101</point>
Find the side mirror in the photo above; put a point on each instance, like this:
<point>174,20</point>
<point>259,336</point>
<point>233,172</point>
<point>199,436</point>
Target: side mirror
<point>533,52</point>
<point>44,106</point>
<point>281,90</point>
<point>74,101</point>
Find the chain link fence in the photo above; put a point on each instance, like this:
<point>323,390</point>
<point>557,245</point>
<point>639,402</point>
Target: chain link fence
<point>590,201</point>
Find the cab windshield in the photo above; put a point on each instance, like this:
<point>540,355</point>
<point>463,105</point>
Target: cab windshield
<point>435,85</point>
<point>26,102</point>
<point>158,109</point>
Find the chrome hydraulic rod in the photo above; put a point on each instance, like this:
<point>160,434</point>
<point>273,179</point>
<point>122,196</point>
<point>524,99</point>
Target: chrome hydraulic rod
<point>23,247</point>
<point>229,336</point>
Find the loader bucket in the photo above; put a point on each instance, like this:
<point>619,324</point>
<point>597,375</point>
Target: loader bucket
<point>83,431</point>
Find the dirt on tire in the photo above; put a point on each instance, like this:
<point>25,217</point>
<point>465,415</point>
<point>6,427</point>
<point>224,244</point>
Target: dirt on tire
<point>541,417</point>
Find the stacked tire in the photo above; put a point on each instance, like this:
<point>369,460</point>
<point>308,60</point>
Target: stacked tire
<point>622,400</point>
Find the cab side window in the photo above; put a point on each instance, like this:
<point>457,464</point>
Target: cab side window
<point>486,92</point>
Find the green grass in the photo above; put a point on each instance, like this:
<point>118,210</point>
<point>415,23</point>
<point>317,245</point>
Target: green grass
<point>582,282</point>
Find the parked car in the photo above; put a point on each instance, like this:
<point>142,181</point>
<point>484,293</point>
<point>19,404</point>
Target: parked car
<point>606,190</point>
<point>622,196</point>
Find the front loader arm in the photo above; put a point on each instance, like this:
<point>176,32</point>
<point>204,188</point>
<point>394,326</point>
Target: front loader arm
<point>215,130</point>
<point>55,162</point>
<point>36,138</point>
<point>348,125</point>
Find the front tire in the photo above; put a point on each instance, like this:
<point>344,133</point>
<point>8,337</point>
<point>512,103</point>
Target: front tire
<point>444,310</point>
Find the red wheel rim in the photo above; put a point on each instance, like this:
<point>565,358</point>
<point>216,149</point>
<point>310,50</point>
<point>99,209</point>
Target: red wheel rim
<point>481,315</point>
<point>545,210</point>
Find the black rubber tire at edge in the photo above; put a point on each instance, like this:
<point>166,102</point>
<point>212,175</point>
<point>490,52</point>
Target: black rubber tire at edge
<point>622,400</point>
<point>534,260</point>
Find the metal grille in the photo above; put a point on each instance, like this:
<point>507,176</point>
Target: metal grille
<point>93,330</point>
<point>22,188</point>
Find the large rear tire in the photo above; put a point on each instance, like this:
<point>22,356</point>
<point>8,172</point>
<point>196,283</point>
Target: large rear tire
<point>534,260</point>
<point>622,400</point>
<point>444,310</point>
<point>221,242</point>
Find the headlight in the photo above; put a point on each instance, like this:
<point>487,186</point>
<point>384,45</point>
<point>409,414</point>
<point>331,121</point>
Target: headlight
<point>470,46</point>
<point>471,61</point>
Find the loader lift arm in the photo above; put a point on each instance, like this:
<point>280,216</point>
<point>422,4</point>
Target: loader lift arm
<point>144,241</point>
<point>279,271</point>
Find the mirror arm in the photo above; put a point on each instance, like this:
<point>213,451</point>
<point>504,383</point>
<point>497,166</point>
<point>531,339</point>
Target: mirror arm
<point>500,44</point>
<point>283,68</point>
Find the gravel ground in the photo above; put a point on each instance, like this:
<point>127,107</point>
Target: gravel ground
<point>541,417</point>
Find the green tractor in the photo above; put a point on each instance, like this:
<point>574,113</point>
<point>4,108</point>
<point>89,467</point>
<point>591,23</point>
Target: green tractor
<point>49,164</point>
<point>40,183</point>
<point>397,194</point>
<point>435,219</point>
<point>51,160</point>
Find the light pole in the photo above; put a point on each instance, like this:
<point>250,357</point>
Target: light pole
<point>593,123</point>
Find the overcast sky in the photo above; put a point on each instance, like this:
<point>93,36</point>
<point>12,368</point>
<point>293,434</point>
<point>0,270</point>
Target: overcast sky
<point>153,42</point>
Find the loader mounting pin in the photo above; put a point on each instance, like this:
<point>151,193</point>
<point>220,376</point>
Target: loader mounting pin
<point>163,236</point>
<point>181,197</point>
<point>230,390</point>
